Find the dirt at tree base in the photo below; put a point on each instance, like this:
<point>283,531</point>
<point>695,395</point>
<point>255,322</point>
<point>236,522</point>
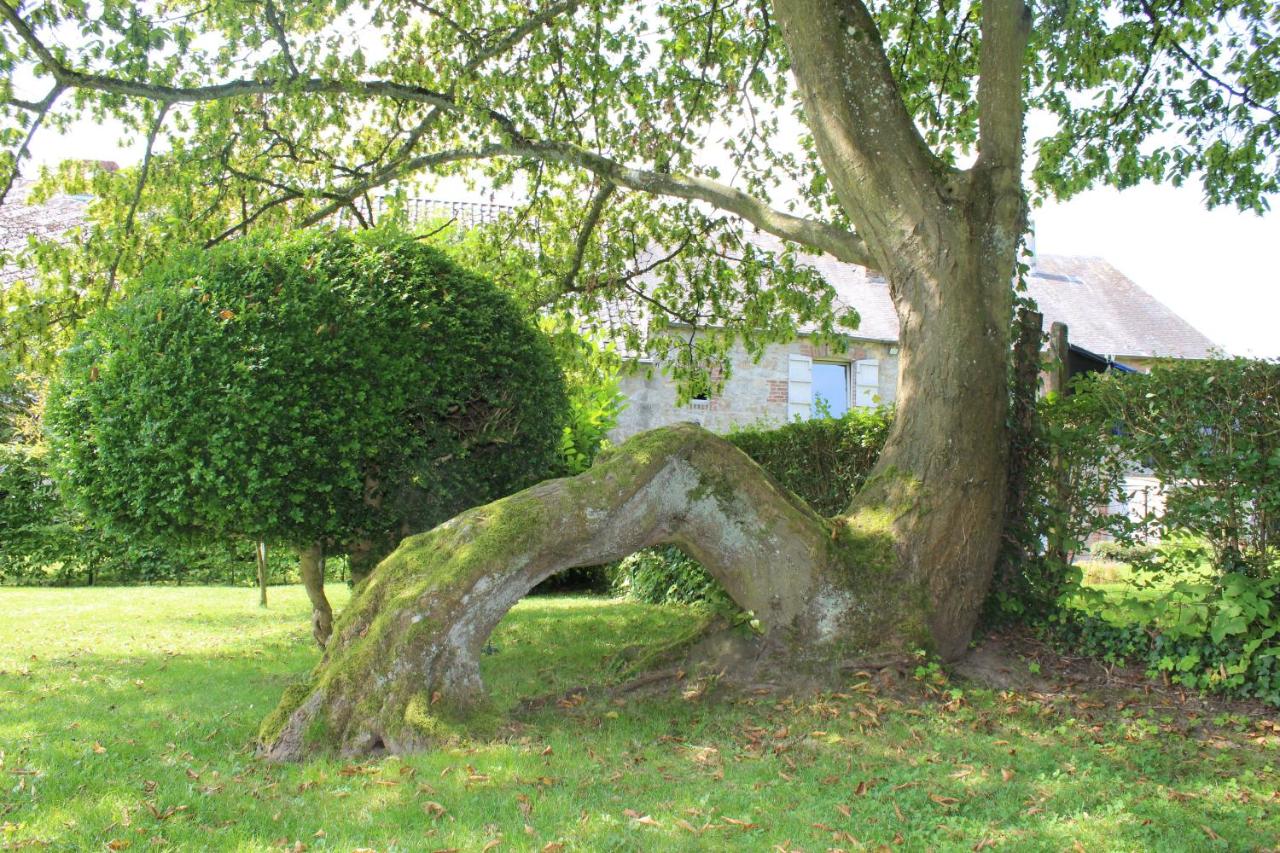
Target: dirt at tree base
<point>1017,661</point>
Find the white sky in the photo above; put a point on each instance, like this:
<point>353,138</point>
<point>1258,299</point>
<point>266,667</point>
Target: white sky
<point>1218,269</point>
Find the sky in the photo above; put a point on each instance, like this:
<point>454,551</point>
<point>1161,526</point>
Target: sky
<point>1218,269</point>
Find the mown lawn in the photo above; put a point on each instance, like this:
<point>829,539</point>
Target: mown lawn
<point>127,718</point>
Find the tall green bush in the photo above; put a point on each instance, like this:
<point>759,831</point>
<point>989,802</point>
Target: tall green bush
<point>313,387</point>
<point>823,460</point>
<point>592,369</point>
<point>1209,432</point>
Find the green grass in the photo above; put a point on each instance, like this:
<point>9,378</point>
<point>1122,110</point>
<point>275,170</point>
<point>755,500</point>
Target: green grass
<point>1123,595</point>
<point>127,715</point>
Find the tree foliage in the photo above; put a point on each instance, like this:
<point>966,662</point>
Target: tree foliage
<point>314,387</point>
<point>665,127</point>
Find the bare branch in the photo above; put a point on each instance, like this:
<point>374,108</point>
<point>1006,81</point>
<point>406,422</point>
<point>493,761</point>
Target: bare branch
<point>594,212</point>
<point>133,204</point>
<point>42,110</point>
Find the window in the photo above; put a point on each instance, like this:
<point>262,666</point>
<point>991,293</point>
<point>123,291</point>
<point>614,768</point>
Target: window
<point>830,388</point>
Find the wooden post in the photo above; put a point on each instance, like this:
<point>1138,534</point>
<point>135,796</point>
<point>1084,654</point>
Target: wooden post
<point>1059,358</point>
<point>260,552</point>
<point>1059,347</point>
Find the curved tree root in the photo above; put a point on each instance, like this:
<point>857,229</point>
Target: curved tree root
<point>404,656</point>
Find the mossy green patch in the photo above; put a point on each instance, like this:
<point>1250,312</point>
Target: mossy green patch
<point>865,541</point>
<point>294,695</point>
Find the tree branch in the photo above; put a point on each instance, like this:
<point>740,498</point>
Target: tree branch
<point>41,110</point>
<point>133,204</point>
<point>594,212</point>
<point>1242,94</point>
<point>823,236</point>
<point>1006,26</point>
<point>842,244</point>
<point>277,28</point>
<point>882,171</point>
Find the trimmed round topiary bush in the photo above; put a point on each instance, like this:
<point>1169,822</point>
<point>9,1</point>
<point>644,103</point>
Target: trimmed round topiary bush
<point>327,391</point>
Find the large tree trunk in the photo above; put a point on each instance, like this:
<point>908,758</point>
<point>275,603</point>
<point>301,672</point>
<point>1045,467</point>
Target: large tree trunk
<point>906,566</point>
<point>404,655</point>
<point>946,241</point>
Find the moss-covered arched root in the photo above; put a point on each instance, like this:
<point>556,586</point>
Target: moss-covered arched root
<point>403,660</point>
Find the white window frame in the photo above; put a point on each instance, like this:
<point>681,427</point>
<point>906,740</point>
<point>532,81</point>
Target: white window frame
<point>866,383</point>
<point>799,387</point>
<point>848,379</point>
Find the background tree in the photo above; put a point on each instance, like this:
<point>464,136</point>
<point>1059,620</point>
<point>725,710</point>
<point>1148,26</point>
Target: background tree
<point>327,392</point>
<point>897,129</point>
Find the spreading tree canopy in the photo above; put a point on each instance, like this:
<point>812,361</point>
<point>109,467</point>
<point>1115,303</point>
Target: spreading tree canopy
<point>647,140</point>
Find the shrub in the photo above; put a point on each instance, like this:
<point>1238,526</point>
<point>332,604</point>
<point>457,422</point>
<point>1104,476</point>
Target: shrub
<point>591,371</point>
<point>302,388</point>
<point>1210,432</point>
<point>1122,552</point>
<point>666,575</point>
<point>1207,432</point>
<point>823,460</point>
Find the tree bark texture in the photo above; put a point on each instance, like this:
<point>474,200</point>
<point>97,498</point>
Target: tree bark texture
<point>260,558</point>
<point>405,653</point>
<point>311,567</point>
<point>906,566</point>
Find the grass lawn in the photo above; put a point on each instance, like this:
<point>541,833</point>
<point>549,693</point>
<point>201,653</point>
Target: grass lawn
<point>127,718</point>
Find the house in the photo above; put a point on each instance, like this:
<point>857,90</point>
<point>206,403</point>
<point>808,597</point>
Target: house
<point>1112,322</point>
<point>21,222</point>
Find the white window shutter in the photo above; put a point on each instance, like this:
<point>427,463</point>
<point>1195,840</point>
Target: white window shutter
<point>799,387</point>
<point>867,383</point>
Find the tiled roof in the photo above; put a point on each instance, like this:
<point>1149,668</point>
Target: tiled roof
<point>1108,313</point>
<point>1105,311</point>
<point>20,221</point>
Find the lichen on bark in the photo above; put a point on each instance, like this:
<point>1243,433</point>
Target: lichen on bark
<point>402,667</point>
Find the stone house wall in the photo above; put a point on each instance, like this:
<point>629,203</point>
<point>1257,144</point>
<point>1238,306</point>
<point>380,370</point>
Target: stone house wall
<point>754,393</point>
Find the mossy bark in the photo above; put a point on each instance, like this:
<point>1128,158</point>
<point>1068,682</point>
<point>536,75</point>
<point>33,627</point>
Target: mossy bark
<point>404,657</point>
<point>906,566</point>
